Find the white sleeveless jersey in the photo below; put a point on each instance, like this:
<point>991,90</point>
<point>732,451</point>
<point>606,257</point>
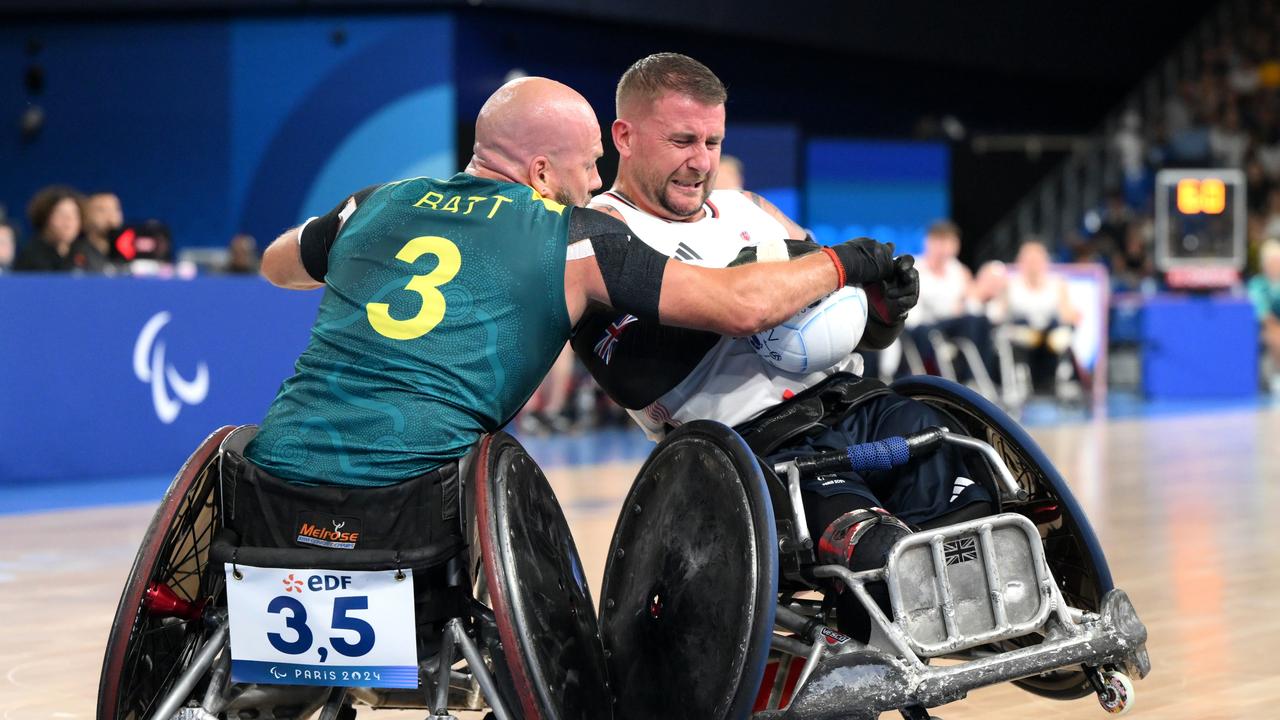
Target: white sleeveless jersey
<point>1038,306</point>
<point>732,383</point>
<point>942,295</point>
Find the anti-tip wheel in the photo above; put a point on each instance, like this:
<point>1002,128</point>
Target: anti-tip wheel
<point>1116,696</point>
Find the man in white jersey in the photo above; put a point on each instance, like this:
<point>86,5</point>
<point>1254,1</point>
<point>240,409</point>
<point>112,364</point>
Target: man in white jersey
<point>668,134</point>
<point>948,303</point>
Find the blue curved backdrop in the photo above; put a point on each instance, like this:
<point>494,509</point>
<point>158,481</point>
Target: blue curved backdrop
<point>218,126</point>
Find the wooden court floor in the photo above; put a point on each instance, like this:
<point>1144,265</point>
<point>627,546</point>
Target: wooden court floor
<point>1187,508</point>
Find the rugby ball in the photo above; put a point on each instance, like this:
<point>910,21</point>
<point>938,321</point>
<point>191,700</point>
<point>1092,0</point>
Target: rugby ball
<point>818,336</point>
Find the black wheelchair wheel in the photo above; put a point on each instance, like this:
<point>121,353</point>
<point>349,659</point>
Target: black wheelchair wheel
<point>1071,548</point>
<point>157,628</point>
<point>549,663</point>
<point>691,584</point>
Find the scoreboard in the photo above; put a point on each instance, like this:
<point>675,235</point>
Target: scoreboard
<point>1200,226</point>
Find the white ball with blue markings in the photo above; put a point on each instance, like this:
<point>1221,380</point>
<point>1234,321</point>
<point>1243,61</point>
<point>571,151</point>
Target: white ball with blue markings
<point>817,337</point>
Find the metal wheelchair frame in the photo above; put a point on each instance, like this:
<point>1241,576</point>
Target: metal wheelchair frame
<point>1103,642</point>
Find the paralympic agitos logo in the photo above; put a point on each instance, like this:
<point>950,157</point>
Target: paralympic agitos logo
<point>150,366</point>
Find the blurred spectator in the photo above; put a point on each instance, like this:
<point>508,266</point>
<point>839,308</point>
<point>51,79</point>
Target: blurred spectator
<point>242,255</point>
<point>1271,221</point>
<point>730,175</point>
<point>1227,142</point>
<point>1113,228</point>
<point>54,214</point>
<point>1268,152</point>
<point>1131,151</point>
<point>1191,146</point>
<point>1243,79</point>
<point>945,287</point>
<point>8,246</point>
<point>1133,264</point>
<point>1040,317</point>
<point>1264,291</point>
<point>1177,108</point>
<point>103,219</point>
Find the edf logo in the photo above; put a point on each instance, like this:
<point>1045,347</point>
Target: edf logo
<point>150,366</point>
<point>328,582</point>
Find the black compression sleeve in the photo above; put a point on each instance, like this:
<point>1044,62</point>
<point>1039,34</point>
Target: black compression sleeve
<point>637,362</point>
<point>319,234</point>
<point>632,270</point>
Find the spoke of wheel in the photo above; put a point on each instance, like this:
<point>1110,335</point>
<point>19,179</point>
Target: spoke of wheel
<point>182,557</point>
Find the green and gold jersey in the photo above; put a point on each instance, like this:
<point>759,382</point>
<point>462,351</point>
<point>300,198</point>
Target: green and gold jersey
<point>444,307</point>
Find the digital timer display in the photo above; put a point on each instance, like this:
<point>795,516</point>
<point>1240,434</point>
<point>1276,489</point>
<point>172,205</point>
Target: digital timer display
<point>1200,220</point>
<point>1195,196</point>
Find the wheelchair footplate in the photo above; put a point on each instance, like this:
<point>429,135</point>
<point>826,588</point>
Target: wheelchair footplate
<point>969,584</point>
<point>979,592</point>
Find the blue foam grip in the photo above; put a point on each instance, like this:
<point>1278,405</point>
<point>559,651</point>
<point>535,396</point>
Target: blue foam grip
<point>880,455</point>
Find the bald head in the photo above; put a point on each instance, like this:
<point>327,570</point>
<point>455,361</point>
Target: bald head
<point>541,133</point>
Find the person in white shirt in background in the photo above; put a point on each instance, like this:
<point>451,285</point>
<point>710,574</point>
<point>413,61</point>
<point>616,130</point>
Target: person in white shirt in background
<point>1041,317</point>
<point>945,288</point>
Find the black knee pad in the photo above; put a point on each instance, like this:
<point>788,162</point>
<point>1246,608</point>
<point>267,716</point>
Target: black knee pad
<point>860,539</point>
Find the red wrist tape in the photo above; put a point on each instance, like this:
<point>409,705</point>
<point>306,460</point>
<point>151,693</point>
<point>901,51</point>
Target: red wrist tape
<point>839,265</point>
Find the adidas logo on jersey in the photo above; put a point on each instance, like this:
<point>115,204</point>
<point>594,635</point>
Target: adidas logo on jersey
<point>684,252</point>
<point>959,487</point>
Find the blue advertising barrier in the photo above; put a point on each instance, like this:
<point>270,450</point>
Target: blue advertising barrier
<point>1199,347</point>
<point>108,377</point>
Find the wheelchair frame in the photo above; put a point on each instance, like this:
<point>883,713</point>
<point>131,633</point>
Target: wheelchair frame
<point>1106,641</point>
<point>840,677</point>
<point>489,680</point>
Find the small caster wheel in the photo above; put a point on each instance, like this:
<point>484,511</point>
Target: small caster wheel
<point>1116,696</point>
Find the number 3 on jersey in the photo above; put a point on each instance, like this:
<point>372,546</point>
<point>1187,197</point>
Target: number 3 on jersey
<point>433,305</point>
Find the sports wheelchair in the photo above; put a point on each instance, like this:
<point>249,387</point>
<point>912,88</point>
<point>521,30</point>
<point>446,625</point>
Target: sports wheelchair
<point>1024,595</point>
<point>712,605</point>
<point>505,591</point>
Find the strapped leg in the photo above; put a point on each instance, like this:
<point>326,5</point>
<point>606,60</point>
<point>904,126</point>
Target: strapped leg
<point>856,534</point>
<point>860,539</point>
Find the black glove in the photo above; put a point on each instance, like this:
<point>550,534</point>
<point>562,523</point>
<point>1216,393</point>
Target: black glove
<point>865,260</point>
<point>902,291</point>
<point>889,301</point>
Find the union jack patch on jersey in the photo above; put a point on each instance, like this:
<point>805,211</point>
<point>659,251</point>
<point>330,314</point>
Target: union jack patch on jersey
<point>604,348</point>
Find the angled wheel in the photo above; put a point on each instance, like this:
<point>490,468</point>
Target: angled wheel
<point>157,628</point>
<point>549,662</point>
<point>1071,548</point>
<point>691,586</point>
